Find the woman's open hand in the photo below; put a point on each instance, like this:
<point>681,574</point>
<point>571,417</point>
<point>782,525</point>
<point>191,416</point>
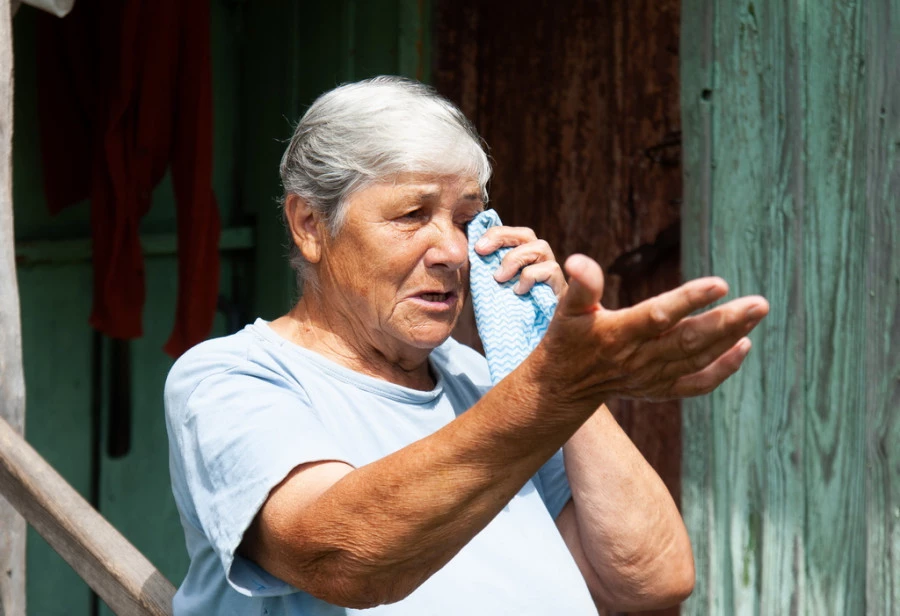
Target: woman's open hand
<point>654,350</point>
<point>530,257</point>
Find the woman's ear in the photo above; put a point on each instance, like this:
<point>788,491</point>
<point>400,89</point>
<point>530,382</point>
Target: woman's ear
<point>305,227</point>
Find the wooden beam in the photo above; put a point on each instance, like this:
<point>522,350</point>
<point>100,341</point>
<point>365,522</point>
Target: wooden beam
<point>12,381</point>
<point>110,565</point>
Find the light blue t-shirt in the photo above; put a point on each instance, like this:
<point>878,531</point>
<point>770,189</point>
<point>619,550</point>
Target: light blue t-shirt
<point>244,410</point>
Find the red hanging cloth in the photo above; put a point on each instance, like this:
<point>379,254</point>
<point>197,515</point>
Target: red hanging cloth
<point>125,92</point>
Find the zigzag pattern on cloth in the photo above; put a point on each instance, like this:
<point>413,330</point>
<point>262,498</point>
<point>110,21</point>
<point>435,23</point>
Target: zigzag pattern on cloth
<point>510,325</point>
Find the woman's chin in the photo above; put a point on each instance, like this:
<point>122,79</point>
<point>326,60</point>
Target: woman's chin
<point>429,338</point>
<point>431,344</point>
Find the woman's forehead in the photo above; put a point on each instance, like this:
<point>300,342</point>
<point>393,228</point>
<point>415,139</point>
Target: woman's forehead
<point>432,179</point>
<point>430,187</point>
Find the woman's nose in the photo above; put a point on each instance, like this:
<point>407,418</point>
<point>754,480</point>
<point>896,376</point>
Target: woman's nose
<point>449,247</point>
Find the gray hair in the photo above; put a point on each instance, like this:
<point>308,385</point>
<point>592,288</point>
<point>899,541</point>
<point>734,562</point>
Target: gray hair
<point>365,132</point>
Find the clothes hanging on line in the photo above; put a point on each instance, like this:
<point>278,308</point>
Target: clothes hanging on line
<point>125,93</point>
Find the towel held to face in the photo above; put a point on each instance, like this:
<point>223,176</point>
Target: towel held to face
<point>510,325</point>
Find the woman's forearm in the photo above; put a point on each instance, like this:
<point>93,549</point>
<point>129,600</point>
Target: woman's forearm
<point>381,530</point>
<point>629,529</point>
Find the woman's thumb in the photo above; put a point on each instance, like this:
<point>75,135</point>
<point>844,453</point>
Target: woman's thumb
<point>585,286</point>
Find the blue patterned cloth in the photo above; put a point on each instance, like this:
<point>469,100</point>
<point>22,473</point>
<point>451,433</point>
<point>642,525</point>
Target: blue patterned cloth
<point>510,325</point>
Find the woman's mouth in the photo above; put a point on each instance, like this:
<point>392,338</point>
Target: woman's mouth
<point>436,300</point>
<point>435,297</point>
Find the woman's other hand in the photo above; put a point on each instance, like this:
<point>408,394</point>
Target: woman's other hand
<point>530,257</point>
<point>654,350</point>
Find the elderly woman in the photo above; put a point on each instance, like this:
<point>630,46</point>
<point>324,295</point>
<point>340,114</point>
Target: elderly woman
<point>350,454</point>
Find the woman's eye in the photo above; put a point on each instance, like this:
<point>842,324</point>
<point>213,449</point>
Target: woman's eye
<point>414,214</point>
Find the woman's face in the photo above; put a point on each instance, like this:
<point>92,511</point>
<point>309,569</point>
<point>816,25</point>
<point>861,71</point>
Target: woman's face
<point>398,269</point>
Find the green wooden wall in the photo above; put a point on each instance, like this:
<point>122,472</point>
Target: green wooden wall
<point>270,59</point>
<point>791,472</point>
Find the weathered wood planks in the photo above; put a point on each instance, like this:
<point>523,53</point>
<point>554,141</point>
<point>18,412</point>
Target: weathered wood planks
<point>834,220</point>
<point>12,383</point>
<point>882,313</point>
<point>791,117</point>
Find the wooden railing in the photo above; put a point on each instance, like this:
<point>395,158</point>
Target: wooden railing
<point>114,568</point>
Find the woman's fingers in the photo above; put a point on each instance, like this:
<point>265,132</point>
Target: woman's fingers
<point>536,251</point>
<point>530,258</point>
<point>714,374</point>
<point>498,237</point>
<point>654,316</point>
<point>547,272</point>
<point>675,369</point>
<point>695,335</point>
<point>699,349</point>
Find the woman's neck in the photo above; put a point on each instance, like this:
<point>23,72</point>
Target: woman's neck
<point>327,331</point>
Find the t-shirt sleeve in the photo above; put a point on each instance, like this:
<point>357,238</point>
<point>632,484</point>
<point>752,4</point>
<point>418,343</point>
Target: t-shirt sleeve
<point>236,437</point>
<point>553,484</point>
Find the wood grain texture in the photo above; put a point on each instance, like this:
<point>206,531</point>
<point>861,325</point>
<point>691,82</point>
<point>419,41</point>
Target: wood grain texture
<point>116,571</point>
<point>697,17</point>
<point>758,420</point>
<point>882,313</point>
<point>834,250</point>
<point>578,103</point>
<point>12,382</point>
<point>791,186</point>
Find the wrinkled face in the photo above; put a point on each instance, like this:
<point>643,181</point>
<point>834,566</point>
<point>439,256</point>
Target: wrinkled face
<point>398,269</point>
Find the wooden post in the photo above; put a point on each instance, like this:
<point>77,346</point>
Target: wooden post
<point>791,118</point>
<point>12,381</point>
